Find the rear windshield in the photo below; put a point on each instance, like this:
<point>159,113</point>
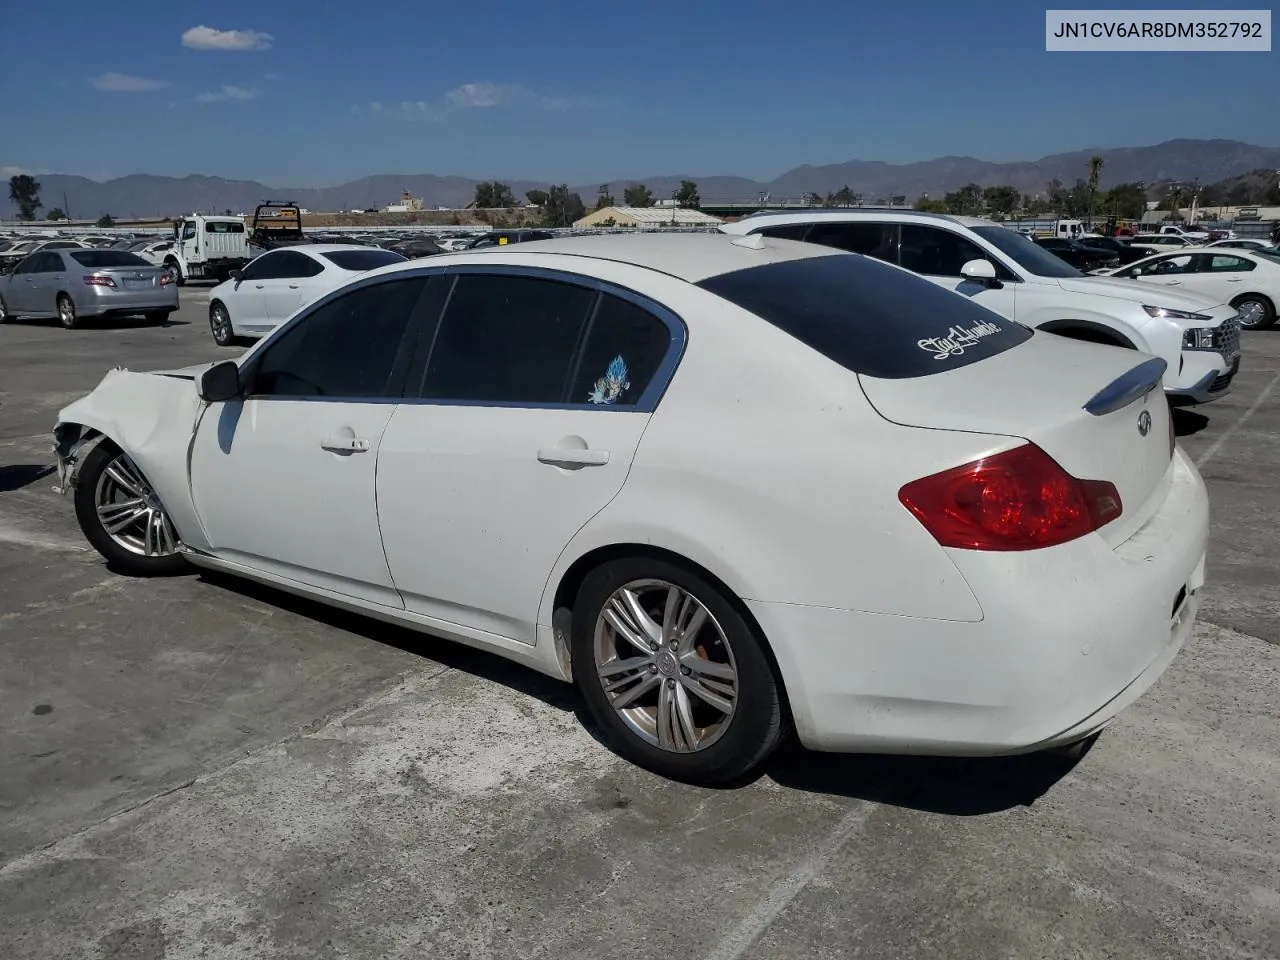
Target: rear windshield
<point>223,226</point>
<point>869,317</point>
<point>97,259</point>
<point>362,259</point>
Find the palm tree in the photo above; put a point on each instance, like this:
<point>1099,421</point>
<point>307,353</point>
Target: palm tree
<point>1095,170</point>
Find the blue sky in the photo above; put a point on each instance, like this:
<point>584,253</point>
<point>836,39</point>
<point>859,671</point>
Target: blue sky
<point>313,94</point>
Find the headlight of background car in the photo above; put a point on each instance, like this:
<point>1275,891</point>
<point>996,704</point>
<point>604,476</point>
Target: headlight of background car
<point>1168,313</point>
<point>1197,338</point>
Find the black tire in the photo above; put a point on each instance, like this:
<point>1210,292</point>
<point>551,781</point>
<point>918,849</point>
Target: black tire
<point>5,315</point>
<point>67,312</point>
<point>118,558</point>
<point>220,325</point>
<point>178,278</point>
<point>756,726</point>
<point>157,316</point>
<point>1268,315</point>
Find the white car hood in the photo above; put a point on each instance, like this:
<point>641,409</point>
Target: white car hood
<point>1135,291</point>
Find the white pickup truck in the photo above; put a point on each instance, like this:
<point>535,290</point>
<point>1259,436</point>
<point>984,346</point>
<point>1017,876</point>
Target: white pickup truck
<point>208,248</point>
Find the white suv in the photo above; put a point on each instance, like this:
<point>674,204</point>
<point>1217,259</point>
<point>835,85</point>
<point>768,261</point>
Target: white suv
<point>1003,270</point>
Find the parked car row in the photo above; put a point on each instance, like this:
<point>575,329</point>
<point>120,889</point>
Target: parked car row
<point>732,486</point>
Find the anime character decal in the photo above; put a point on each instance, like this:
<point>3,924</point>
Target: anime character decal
<point>613,384</point>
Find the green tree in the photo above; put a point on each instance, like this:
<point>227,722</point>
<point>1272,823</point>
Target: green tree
<point>24,192</point>
<point>843,197</point>
<point>687,195</point>
<point>967,200</point>
<point>57,213</point>
<point>562,207</point>
<point>491,194</point>
<point>537,197</point>
<point>604,198</point>
<point>924,204</point>
<point>637,195</point>
<point>814,199</point>
<point>106,220</point>
<point>1273,194</point>
<point>1125,201</point>
<point>1001,201</point>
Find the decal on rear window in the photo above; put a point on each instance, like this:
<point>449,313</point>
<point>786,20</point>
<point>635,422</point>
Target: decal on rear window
<point>958,340</point>
<point>613,384</point>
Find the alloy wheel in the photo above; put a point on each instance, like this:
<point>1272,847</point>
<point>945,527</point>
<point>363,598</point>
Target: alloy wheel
<point>130,512</point>
<point>220,323</point>
<point>1251,313</point>
<point>66,312</point>
<point>666,665</point>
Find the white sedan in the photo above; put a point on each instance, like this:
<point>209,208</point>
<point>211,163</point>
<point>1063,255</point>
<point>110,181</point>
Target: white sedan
<point>1247,279</point>
<point>1247,243</point>
<point>273,286</point>
<point>728,486</point>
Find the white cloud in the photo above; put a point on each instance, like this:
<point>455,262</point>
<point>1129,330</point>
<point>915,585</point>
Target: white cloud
<point>228,93</point>
<point>124,83</point>
<point>207,38</point>
<point>7,172</point>
<point>479,96</point>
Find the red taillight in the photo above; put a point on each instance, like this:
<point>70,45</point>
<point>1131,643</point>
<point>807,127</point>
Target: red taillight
<point>166,278</point>
<point>99,281</point>
<point>1017,500</point>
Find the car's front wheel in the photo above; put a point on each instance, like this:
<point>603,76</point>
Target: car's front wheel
<point>122,517</point>
<point>673,671</point>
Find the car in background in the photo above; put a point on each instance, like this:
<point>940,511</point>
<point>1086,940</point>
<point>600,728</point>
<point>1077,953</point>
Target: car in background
<point>500,238</point>
<point>417,247</point>
<point>1125,251</point>
<point>730,487</point>
<point>152,251</point>
<point>1006,272</point>
<point>1248,279</point>
<point>14,255</point>
<point>1248,243</point>
<point>1081,254</point>
<point>276,284</point>
<point>73,284</point>
<point>1164,242</point>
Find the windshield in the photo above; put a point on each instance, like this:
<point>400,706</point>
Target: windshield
<point>362,259</point>
<point>1026,253</point>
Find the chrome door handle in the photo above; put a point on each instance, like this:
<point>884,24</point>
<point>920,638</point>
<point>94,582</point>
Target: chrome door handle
<point>345,444</point>
<point>579,457</point>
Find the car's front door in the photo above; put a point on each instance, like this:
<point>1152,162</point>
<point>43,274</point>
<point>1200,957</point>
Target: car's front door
<point>1170,270</point>
<point>282,290</point>
<point>248,302</point>
<point>19,290</point>
<point>938,255</point>
<point>283,480</point>
<point>531,405</point>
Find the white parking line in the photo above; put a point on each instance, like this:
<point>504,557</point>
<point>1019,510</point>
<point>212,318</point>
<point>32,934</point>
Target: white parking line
<point>1226,434</point>
<point>741,939</point>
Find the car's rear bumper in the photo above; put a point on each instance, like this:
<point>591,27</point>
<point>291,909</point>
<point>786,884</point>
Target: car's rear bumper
<point>106,301</point>
<point>1069,637</point>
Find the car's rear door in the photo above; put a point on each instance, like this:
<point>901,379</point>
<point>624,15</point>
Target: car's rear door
<point>283,480</point>
<point>527,415</point>
<point>282,290</point>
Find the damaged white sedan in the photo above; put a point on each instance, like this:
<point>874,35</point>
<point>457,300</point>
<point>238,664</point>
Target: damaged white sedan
<point>730,487</point>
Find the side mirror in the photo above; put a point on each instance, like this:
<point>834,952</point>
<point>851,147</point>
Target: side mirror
<point>980,271</point>
<point>236,275</point>
<point>220,383</point>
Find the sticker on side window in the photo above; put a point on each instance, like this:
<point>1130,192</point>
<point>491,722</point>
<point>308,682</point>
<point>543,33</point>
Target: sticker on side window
<point>613,384</point>
<point>958,340</point>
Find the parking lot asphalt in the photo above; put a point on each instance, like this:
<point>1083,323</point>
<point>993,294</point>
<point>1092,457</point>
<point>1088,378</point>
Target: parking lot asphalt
<point>193,767</point>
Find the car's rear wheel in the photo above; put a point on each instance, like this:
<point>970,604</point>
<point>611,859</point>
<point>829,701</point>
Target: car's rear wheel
<point>673,671</point>
<point>4,311</point>
<point>122,517</point>
<point>1256,312</point>
<point>220,325</point>
<point>67,312</point>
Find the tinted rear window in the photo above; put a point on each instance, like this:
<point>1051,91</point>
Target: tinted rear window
<point>98,259</point>
<point>870,317</point>
<point>362,259</point>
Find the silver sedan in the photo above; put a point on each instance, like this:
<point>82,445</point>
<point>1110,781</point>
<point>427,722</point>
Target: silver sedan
<point>73,284</point>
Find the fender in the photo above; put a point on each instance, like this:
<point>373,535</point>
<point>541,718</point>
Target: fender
<point>1125,338</point>
<point>153,418</point>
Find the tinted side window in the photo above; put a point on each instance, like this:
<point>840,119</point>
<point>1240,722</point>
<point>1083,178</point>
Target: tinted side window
<point>48,263</point>
<point>346,348</point>
<point>624,347</point>
<point>790,231</point>
<point>879,240</point>
<point>936,253</point>
<point>28,265</point>
<point>290,265</point>
<point>507,339</point>
<point>1221,264</point>
<point>261,268</point>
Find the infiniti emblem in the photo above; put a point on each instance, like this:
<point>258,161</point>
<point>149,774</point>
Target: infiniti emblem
<point>1144,422</point>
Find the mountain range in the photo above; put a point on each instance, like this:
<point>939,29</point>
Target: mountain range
<point>142,195</point>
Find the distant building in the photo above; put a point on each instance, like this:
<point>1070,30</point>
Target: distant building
<point>648,217</point>
<point>408,204</point>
